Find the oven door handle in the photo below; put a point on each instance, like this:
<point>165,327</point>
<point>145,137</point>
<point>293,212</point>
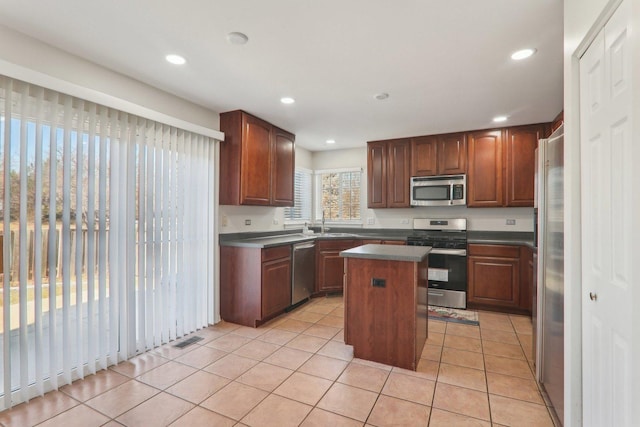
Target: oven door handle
<point>455,252</point>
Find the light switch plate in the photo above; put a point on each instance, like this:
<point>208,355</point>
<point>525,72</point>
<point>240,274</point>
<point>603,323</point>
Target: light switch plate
<point>511,222</point>
<point>247,222</point>
<point>371,221</point>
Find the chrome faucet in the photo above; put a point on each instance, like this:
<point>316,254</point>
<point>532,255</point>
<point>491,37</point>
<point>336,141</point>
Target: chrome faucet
<point>322,227</point>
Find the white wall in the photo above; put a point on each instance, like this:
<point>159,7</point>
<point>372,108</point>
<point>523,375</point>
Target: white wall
<point>28,59</point>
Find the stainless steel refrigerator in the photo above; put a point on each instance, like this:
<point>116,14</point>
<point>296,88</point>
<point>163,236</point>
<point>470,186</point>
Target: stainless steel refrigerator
<point>549,303</point>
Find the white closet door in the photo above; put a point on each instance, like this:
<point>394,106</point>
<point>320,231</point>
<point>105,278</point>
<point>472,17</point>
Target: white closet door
<point>607,227</point>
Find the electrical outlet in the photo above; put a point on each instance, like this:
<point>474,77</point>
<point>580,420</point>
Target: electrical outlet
<point>247,222</point>
<point>371,221</point>
<point>511,222</point>
<point>225,221</point>
<point>275,221</point>
<point>404,221</point>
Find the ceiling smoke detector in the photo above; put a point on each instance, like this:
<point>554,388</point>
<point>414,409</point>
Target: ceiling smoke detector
<point>381,96</point>
<point>237,38</point>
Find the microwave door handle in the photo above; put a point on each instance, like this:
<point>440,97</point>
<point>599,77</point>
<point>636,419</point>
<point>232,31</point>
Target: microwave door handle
<point>451,193</point>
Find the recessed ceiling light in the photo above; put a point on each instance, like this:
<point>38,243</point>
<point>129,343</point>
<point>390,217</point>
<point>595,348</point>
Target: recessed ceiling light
<point>331,141</point>
<point>522,54</point>
<point>500,119</point>
<point>287,100</point>
<point>381,96</point>
<point>237,38</point>
<point>175,59</point>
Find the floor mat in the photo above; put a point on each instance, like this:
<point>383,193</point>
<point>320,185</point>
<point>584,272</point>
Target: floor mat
<point>445,314</point>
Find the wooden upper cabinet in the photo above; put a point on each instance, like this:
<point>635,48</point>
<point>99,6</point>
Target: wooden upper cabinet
<point>439,155</point>
<point>257,162</point>
<point>485,183</point>
<point>452,154</point>
<point>388,174</point>
<point>284,165</point>
<point>424,156</point>
<point>377,175</point>
<point>520,149</point>
<point>398,174</point>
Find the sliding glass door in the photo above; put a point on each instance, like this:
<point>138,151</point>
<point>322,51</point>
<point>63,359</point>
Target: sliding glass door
<point>107,237</point>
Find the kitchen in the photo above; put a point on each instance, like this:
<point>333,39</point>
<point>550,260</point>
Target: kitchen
<point>30,59</point>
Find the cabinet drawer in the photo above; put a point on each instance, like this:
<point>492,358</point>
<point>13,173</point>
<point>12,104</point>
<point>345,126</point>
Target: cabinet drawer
<point>276,252</point>
<point>502,251</point>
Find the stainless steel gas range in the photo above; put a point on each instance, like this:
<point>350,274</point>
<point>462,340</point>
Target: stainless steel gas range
<point>447,260</point>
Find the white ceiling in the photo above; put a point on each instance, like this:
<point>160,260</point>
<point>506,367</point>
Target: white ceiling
<point>445,63</point>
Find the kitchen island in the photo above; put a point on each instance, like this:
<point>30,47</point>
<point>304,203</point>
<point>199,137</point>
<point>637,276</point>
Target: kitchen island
<point>385,295</point>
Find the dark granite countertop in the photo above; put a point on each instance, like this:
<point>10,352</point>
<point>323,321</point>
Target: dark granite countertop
<point>501,238</point>
<point>388,252</point>
<point>270,239</point>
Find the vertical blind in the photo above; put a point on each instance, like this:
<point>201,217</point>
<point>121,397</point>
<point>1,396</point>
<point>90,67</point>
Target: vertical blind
<point>107,237</point>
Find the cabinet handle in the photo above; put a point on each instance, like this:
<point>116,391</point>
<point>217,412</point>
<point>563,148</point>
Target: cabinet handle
<point>593,296</point>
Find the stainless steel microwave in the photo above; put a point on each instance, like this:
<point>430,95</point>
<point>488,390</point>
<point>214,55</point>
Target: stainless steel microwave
<point>445,190</point>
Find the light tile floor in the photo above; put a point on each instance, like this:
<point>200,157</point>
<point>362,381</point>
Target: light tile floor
<point>296,370</point>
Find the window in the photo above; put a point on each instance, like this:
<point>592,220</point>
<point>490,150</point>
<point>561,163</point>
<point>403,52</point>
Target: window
<point>301,210</point>
<point>339,195</point>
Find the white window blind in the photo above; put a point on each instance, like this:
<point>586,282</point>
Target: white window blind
<point>107,237</point>
<point>302,190</point>
<point>338,195</point>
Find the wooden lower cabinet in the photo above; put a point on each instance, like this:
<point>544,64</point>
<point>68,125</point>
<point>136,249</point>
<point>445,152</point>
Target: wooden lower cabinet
<point>330,265</point>
<point>500,277</point>
<point>255,284</point>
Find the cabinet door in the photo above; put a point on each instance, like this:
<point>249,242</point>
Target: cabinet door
<point>276,286</point>
<point>424,156</point>
<point>330,265</point>
<point>283,168</point>
<point>494,281</point>
<point>398,174</point>
<point>256,162</point>
<point>452,154</point>
<point>526,278</point>
<point>376,175</point>
<point>485,180</point>
<point>520,144</point>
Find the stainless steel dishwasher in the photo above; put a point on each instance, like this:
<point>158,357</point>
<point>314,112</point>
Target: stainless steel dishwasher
<point>304,271</point>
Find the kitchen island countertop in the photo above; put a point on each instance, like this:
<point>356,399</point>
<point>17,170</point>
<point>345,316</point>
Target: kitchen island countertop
<point>388,252</point>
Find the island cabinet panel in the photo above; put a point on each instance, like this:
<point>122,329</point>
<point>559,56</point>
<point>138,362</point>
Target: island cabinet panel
<point>494,277</point>
<point>383,321</point>
<point>521,143</point>
<point>485,183</point>
<point>330,265</point>
<point>257,162</point>
<point>255,284</point>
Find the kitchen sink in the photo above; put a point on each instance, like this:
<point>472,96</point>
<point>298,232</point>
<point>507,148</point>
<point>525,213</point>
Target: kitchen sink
<point>336,234</point>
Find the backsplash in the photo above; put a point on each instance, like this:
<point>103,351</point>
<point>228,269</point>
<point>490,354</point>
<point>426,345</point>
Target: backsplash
<point>232,219</point>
